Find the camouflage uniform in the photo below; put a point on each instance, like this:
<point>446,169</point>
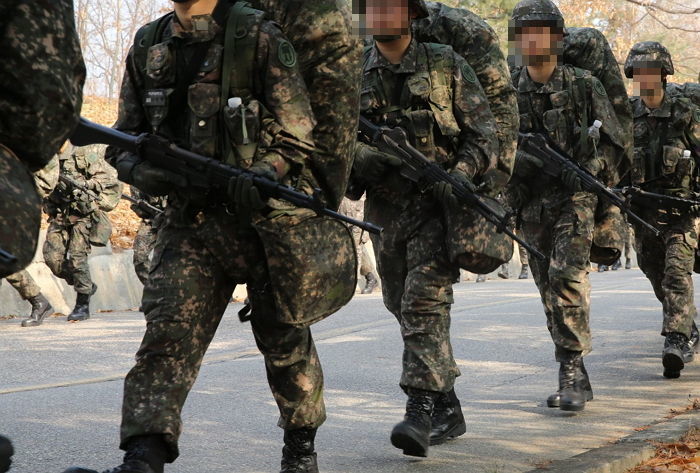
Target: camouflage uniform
<point>556,221</point>
<point>74,219</point>
<point>40,96</point>
<point>474,40</point>
<point>145,239</point>
<point>412,257</point>
<point>24,284</point>
<point>356,211</point>
<point>203,251</point>
<point>660,136</point>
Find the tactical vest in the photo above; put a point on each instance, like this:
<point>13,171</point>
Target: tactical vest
<point>210,126</point>
<point>423,106</point>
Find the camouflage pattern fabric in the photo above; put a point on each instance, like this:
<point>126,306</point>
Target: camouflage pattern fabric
<point>144,242</point>
<point>556,221</point>
<point>74,218</point>
<point>329,62</point>
<point>42,78</point>
<point>202,251</point>
<point>24,284</point>
<point>522,252</point>
<point>629,242</point>
<point>412,258</point>
<point>474,40</point>
<point>355,209</point>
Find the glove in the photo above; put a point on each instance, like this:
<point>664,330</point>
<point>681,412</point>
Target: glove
<point>371,165</point>
<point>155,181</point>
<point>243,194</point>
<point>571,180</point>
<point>526,164</point>
<point>442,191</point>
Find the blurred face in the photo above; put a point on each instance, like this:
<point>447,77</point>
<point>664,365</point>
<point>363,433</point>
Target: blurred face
<point>536,45</point>
<point>387,18</point>
<point>648,81</point>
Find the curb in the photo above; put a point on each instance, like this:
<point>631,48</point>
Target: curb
<point>627,452</point>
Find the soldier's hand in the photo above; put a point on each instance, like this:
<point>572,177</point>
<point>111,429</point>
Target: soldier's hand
<point>371,165</point>
<point>155,181</point>
<point>571,180</point>
<point>526,164</point>
<point>442,191</point>
<point>243,193</point>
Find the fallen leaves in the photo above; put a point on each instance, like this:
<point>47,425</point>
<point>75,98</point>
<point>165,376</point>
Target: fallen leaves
<point>678,457</point>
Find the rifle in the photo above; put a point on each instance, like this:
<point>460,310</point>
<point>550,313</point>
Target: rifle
<point>419,169</point>
<point>7,258</point>
<point>555,161</point>
<point>150,210</point>
<point>203,173</point>
<point>77,185</point>
<point>638,194</point>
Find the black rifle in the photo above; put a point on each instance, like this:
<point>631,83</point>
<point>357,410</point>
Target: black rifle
<point>7,258</point>
<point>555,161</point>
<point>150,210</point>
<point>202,173</point>
<point>77,185</point>
<point>639,195</point>
<point>419,169</point>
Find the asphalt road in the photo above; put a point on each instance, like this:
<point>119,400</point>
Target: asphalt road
<point>61,386</point>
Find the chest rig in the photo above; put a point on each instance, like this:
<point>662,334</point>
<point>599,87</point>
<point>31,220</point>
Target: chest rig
<point>186,92</point>
<point>419,102</point>
<point>561,115</point>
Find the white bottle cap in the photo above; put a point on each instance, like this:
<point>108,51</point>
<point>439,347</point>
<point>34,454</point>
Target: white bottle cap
<point>235,102</point>
<point>686,153</point>
<point>597,123</point>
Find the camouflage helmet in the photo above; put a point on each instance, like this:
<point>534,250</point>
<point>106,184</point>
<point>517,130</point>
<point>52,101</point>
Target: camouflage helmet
<point>420,7</point>
<point>20,214</point>
<point>536,11</point>
<point>649,54</point>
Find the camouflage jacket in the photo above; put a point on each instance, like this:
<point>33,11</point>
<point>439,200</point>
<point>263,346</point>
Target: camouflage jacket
<point>279,103</point>
<point>660,137</point>
<point>41,78</point>
<point>329,61</point>
<point>556,109</point>
<point>441,105</point>
<point>473,39</point>
<point>86,166</point>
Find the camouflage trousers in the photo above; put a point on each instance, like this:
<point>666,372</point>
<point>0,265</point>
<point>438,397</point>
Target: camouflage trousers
<point>194,270</point>
<point>144,242</point>
<point>417,279</point>
<point>24,284</point>
<point>565,235</point>
<point>629,242</point>
<point>66,252</point>
<point>667,261</point>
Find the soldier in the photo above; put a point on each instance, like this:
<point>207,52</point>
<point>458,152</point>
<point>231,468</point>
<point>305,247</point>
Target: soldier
<point>504,272</point>
<point>666,133</point>
<point>431,92</point>
<point>561,102</point>
<point>77,220</point>
<point>206,247</point>
<point>365,266</point>
<point>145,239</point>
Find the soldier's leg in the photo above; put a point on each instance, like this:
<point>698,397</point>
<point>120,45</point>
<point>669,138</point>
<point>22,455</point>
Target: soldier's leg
<point>184,299</point>
<point>651,256</point>
<point>55,252</point>
<point>79,249</point>
<point>144,242</point>
<point>539,235</point>
<point>677,283</point>
<point>367,270</point>
<point>24,285</point>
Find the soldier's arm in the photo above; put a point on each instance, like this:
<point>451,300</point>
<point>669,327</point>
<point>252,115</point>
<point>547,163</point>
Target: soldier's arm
<point>478,145</point>
<point>104,181</point>
<point>288,141</point>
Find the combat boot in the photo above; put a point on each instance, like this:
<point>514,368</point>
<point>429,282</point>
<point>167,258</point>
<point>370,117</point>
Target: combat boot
<point>41,308</point>
<point>504,273</point>
<point>616,265</point>
<point>481,278</point>
<point>412,435</point>
<point>628,264</point>
<point>692,345</point>
<point>298,455</point>
<point>447,420</point>
<point>602,267</point>
<point>81,311</point>
<point>6,452</point>
<point>371,284</point>
<point>144,454</point>
<point>673,356</point>
<point>555,399</point>
<point>524,272</point>
<point>572,395</point>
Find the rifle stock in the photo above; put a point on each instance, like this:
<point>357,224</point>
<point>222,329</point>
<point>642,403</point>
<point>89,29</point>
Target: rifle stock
<point>7,258</point>
<point>203,173</point>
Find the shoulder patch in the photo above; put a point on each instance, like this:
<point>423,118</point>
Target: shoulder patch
<point>468,73</point>
<point>286,54</point>
<point>599,89</point>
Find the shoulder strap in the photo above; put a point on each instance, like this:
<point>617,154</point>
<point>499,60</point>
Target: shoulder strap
<point>239,51</point>
<point>580,81</point>
<point>440,63</point>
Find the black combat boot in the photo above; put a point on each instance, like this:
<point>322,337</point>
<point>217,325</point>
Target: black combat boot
<point>692,345</point>
<point>628,264</point>
<point>371,284</point>
<point>298,455</point>
<point>572,395</point>
<point>481,278</point>
<point>673,355</point>
<point>616,265</point>
<point>81,311</point>
<point>144,454</point>
<point>524,272</point>
<point>41,308</point>
<point>412,435</point>
<point>447,420</point>
<point>504,273</point>
<point>6,452</point>
<point>555,399</point>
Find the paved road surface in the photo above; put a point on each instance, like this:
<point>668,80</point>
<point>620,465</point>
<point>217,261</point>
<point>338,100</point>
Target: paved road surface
<point>61,386</point>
